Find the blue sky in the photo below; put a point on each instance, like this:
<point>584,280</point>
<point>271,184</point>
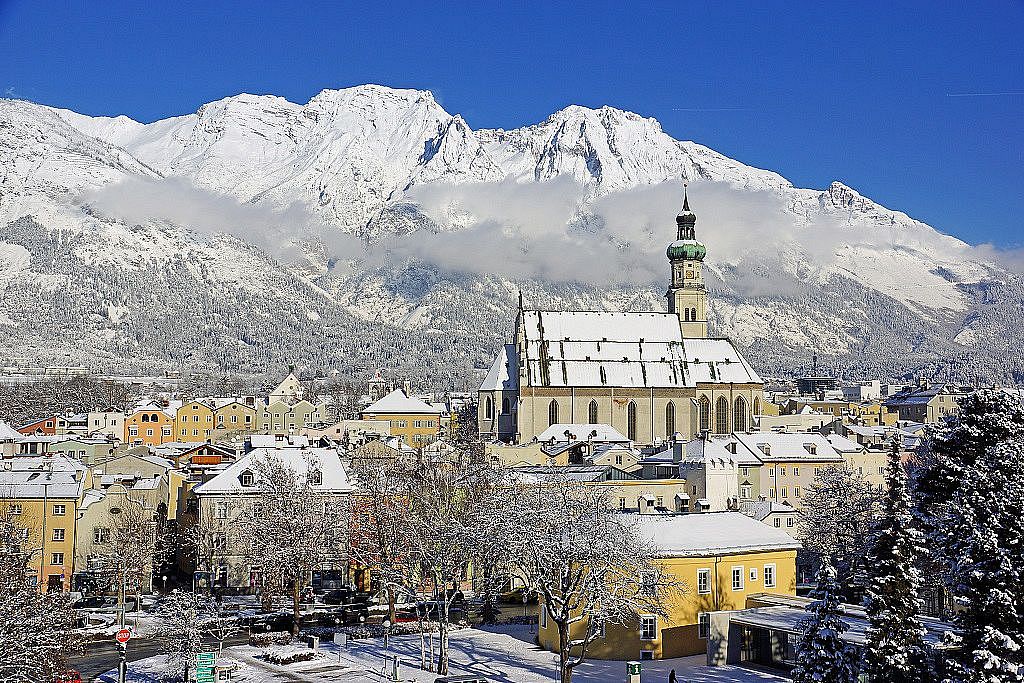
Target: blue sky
<point>917,105</point>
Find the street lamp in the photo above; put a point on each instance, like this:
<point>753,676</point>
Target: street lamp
<point>387,633</point>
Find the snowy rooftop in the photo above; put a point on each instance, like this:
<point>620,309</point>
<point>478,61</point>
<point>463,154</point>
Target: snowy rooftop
<point>504,372</point>
<point>9,433</point>
<point>272,441</point>
<point>760,509</point>
<point>784,447</point>
<point>334,477</point>
<point>397,402</point>
<point>711,533</point>
<point>582,432</point>
<point>603,348</point>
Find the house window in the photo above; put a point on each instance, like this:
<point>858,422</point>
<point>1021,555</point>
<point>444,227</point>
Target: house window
<point>753,574</point>
<point>771,493</point>
<point>622,503</point>
<point>16,509</point>
<point>149,432</point>
<point>101,535</point>
<point>618,459</point>
<point>56,558</point>
<point>722,415</point>
<point>221,510</point>
<point>778,522</point>
<point>796,491</point>
<point>771,472</point>
<point>796,471</point>
<point>782,471</point>
<point>60,509</point>
<point>592,413</point>
<point>195,432</point>
<point>745,471</point>
<point>737,578</point>
<point>660,502</point>
<point>790,522</point>
<point>745,492</point>
<point>648,627</point>
<point>670,420</point>
<point>315,478</point>
<point>219,542</point>
<point>552,412</point>
<point>234,419</point>
<point>769,576</point>
<point>646,655</point>
<point>247,478</point>
<point>544,616</point>
<point>703,581</point>
<point>133,431</point>
<point>785,492</point>
<point>58,535</point>
<point>631,421</point>
<point>703,625</point>
<point>739,414</point>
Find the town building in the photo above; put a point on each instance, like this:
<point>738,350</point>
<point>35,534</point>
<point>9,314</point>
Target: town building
<point>416,422</point>
<point>648,375</point>
<point>722,558</point>
<point>927,403</point>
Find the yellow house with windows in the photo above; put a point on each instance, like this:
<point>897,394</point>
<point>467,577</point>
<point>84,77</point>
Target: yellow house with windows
<point>720,557</point>
<point>416,422</point>
<point>42,495</point>
<point>232,415</point>
<point>193,422</point>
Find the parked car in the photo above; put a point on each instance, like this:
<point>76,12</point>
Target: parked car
<point>274,621</point>
<point>345,596</point>
<point>95,602</point>
<point>346,615</point>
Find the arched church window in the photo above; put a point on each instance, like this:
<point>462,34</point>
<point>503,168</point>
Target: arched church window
<point>739,414</point>
<point>592,413</point>
<point>631,421</point>
<point>670,420</point>
<point>553,412</point>
<point>504,406</point>
<point>722,415</point>
<point>705,414</point>
<point>488,408</point>
<point>757,406</point>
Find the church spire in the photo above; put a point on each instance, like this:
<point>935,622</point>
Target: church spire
<point>686,220</point>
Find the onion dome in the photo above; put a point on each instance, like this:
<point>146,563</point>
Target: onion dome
<point>691,250</point>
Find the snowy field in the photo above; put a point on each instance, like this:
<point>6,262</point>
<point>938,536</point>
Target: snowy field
<point>501,655</point>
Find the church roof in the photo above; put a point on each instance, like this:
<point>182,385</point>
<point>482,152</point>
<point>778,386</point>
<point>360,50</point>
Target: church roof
<point>634,350</point>
<point>504,372</point>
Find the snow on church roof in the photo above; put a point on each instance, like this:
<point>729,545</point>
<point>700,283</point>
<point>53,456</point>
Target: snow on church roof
<point>603,348</point>
<point>504,372</point>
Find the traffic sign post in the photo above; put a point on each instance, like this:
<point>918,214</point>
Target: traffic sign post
<point>205,663</point>
<point>122,637</point>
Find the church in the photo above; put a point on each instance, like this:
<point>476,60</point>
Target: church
<point>651,376</point>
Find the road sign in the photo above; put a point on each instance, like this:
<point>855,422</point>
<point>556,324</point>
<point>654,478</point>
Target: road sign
<point>123,636</point>
<point>205,663</point>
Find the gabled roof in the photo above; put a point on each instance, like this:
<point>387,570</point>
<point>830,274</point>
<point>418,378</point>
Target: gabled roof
<point>705,534</point>
<point>9,433</point>
<point>603,348</point>
<point>334,477</point>
<point>784,447</point>
<point>397,402</point>
<point>504,372</point>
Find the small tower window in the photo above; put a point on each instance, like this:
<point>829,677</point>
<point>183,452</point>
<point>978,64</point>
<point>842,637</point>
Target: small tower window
<point>670,420</point>
<point>592,413</point>
<point>553,412</point>
<point>504,406</point>
<point>488,408</point>
<point>631,421</point>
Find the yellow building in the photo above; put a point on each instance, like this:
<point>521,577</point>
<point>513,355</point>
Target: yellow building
<point>42,495</point>
<point>194,422</point>
<point>414,421</point>
<point>233,416</point>
<point>720,557</point>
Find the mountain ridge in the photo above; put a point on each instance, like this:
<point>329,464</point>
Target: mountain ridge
<point>393,167</point>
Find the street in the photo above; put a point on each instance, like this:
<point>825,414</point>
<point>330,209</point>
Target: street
<point>99,657</point>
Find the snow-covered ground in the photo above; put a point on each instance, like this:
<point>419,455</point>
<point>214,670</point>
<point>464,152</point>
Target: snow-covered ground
<point>503,655</point>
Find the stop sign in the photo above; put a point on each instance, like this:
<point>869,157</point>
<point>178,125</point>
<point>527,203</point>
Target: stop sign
<point>123,636</point>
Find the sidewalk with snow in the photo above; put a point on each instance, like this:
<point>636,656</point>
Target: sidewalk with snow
<point>499,654</point>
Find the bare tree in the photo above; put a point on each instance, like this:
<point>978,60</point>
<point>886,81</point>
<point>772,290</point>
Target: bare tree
<point>590,565</point>
<point>449,507</point>
<point>838,518</point>
<point>294,526</point>
<point>186,620</point>
<point>36,629</point>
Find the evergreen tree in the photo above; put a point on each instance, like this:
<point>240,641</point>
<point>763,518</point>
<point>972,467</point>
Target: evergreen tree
<point>973,503</point>
<point>821,655</point>
<point>895,650</point>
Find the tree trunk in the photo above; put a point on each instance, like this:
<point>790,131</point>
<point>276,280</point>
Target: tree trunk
<point>391,603</point>
<point>296,590</point>
<point>565,671</point>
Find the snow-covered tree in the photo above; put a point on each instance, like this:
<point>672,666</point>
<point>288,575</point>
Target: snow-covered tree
<point>36,629</point>
<point>185,621</point>
<point>138,540</point>
<point>972,500</point>
<point>293,526</point>
<point>837,519</point>
<point>895,650</point>
<point>822,656</point>
<point>588,564</point>
<point>449,512</point>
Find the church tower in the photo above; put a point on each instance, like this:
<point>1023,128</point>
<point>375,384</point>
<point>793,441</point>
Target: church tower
<point>687,297</point>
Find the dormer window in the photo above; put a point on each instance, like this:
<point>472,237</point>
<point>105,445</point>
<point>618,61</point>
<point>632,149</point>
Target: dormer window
<point>811,448</point>
<point>765,448</point>
<point>247,478</point>
<point>315,478</point>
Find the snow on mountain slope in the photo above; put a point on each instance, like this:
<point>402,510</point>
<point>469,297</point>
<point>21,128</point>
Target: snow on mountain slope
<point>845,275</point>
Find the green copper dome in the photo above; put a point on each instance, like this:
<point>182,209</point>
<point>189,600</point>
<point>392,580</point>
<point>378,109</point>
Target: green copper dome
<point>686,249</point>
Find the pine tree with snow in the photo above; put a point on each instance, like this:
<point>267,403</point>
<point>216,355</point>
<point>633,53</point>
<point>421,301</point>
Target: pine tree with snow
<point>821,655</point>
<point>895,651</point>
<point>973,504</point>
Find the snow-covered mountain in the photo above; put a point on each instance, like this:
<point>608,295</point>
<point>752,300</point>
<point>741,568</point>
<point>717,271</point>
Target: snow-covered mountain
<point>251,232</point>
